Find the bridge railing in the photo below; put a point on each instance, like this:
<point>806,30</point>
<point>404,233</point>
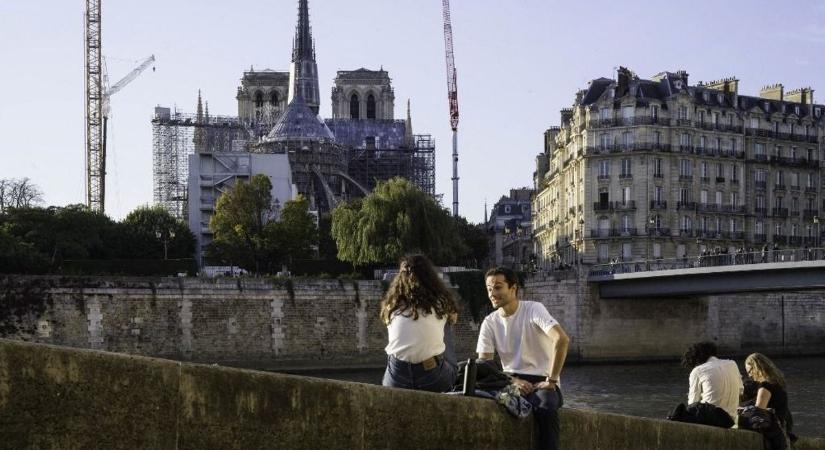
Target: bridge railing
<point>787,255</point>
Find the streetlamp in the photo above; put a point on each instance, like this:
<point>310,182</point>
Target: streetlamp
<point>165,236</point>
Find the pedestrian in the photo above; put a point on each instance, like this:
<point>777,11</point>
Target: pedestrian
<point>764,254</point>
<point>532,346</point>
<point>419,312</point>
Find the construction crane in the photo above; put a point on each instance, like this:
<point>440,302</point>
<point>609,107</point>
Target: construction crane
<point>98,94</point>
<point>452,96</point>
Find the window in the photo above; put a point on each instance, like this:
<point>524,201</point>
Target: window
<point>702,142</point>
<point>754,122</point>
<point>734,172</point>
<point>720,170</point>
<point>794,229</point>
<point>658,194</point>
<point>717,144</point>
<point>354,107</point>
<point>604,140</point>
<point>719,198</point>
<point>810,154</point>
<point>702,116</point>
<point>657,167</point>
<point>657,138</point>
<point>761,175</point>
<point>780,178</point>
<point>703,196</point>
<point>795,179</point>
<point>759,228</point>
<point>370,107</point>
<point>703,169</point>
<point>259,99</point>
<point>778,202</point>
<point>795,204</point>
<point>626,195</point>
<point>627,251</point>
<point>684,139</point>
<point>683,113</point>
<point>604,252</point>
<point>654,112</point>
<point>760,202</point>
<point>734,199</point>
<point>626,167</point>
<point>716,117</point>
<point>626,225</point>
<point>734,226</point>
<point>604,168</point>
<point>759,149</point>
<point>627,113</point>
<point>657,250</point>
<point>684,195</point>
<point>687,223</point>
<point>627,139</point>
<point>685,167</point>
<point>604,114</point>
<point>273,98</point>
<point>810,182</point>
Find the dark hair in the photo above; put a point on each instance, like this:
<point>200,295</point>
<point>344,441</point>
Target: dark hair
<point>509,275</point>
<point>417,288</point>
<point>698,353</point>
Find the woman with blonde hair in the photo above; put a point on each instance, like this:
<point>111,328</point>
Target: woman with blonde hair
<point>770,393</point>
<point>419,311</point>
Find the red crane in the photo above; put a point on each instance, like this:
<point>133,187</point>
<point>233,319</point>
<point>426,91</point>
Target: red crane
<point>452,96</point>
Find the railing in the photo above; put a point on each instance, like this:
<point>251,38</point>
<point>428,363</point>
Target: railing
<point>760,211</point>
<point>760,184</point>
<point>685,177</point>
<point>685,205</point>
<point>704,180</point>
<point>661,232</point>
<point>810,189</point>
<point>809,213</point>
<point>714,258</point>
<point>779,212</point>
<point>658,205</point>
<point>628,205</point>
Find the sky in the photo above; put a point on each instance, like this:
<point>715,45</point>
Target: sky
<point>518,63</point>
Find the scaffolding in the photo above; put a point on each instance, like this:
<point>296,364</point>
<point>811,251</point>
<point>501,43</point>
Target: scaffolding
<point>177,135</point>
<point>416,162</point>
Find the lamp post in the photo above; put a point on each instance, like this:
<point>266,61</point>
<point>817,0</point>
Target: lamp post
<point>165,236</point>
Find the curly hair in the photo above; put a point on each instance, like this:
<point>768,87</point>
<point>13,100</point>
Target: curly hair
<point>417,289</point>
<point>698,353</point>
<point>765,369</point>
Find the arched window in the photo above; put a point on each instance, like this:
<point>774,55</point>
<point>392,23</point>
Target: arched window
<point>259,99</point>
<point>370,107</point>
<point>273,98</point>
<point>354,109</point>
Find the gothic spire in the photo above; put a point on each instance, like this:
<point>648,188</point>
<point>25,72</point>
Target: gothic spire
<point>302,46</point>
<point>199,115</point>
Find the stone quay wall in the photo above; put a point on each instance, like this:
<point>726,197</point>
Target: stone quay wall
<point>59,397</point>
<point>291,324</point>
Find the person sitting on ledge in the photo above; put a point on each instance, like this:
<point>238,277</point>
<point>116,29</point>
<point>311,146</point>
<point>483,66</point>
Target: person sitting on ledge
<point>714,388</point>
<point>419,312</point>
<point>532,346</point>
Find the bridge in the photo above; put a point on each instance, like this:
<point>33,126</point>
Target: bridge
<point>712,274</point>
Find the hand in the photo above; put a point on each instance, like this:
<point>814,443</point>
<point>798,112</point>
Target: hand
<point>548,385</point>
<point>524,386</point>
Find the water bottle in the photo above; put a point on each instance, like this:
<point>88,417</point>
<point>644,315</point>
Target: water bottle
<point>470,377</point>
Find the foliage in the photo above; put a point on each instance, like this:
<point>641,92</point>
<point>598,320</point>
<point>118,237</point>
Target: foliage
<point>154,233</point>
<point>394,219</point>
<point>471,289</point>
<point>476,241</point>
<point>246,235</point>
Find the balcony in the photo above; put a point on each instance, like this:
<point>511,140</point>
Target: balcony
<point>779,187</point>
<point>658,205</point>
<point>759,157</point>
<point>708,207</point>
<point>687,149</point>
<point>625,176</point>
<point>625,206</point>
<point>687,232</point>
<point>658,232</point>
<point>762,212</point>
<point>658,175</point>
<point>795,241</point>
<point>735,209</point>
<point>686,178</point>
<point>734,181</point>
<point>794,213</point>
<point>603,206</point>
<point>779,212</point>
<point>683,122</point>
<point>760,238</point>
<point>720,179</point>
<point>599,232</point>
<point>705,180</point>
<point>686,205</point>
<point>760,185</point>
<point>810,189</point>
<point>780,239</point>
<point>809,213</point>
<point>604,177</point>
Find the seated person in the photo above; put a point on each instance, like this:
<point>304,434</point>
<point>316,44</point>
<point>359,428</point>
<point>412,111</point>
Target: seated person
<point>714,386</point>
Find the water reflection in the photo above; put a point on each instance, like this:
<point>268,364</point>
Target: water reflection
<point>652,390</point>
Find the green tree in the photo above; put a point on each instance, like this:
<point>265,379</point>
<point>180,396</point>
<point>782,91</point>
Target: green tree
<point>394,219</point>
<point>295,235</point>
<point>152,233</point>
<point>476,241</point>
<point>239,225</point>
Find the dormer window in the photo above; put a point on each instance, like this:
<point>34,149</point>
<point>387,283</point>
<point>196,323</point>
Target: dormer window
<point>796,110</point>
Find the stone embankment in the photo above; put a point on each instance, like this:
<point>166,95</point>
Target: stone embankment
<point>58,397</point>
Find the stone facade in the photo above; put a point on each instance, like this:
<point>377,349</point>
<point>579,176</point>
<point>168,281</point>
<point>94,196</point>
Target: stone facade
<point>649,169</point>
<point>363,94</point>
<point>509,228</point>
<point>268,324</point>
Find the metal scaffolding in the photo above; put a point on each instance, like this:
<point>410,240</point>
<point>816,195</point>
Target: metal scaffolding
<point>416,163</point>
<point>177,135</point>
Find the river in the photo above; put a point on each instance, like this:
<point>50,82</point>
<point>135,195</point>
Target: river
<point>653,389</point>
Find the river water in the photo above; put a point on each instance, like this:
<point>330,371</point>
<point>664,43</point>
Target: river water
<point>653,389</point>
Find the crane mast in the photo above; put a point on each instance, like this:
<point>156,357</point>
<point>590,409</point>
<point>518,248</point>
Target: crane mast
<point>95,150</point>
<point>452,96</point>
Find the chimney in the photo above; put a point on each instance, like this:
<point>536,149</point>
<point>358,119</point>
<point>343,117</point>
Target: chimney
<point>804,96</point>
<point>773,92</point>
<point>727,85</point>
<point>623,76</point>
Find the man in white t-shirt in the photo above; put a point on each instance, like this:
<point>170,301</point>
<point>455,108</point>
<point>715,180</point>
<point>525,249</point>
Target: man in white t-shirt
<point>713,381</point>
<point>532,347</point>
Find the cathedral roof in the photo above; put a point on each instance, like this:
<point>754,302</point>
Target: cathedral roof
<point>299,122</point>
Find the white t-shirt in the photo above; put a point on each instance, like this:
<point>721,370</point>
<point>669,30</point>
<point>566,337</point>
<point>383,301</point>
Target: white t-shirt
<point>717,382</point>
<point>521,340</point>
<point>414,341</point>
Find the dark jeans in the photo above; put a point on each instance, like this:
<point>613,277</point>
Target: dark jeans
<point>546,404</point>
<point>402,374</point>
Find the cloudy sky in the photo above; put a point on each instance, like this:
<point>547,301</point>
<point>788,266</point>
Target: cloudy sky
<point>518,62</point>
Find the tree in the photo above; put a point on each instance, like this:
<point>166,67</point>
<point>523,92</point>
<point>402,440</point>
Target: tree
<point>476,241</point>
<point>153,233</point>
<point>396,218</point>
<point>295,235</point>
<point>18,193</point>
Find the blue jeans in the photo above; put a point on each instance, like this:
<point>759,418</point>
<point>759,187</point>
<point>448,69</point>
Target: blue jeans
<point>546,404</point>
<point>440,378</point>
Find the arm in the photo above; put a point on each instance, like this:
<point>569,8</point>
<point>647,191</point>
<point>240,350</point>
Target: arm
<point>561,342</point>
<point>695,389</point>
<point>763,396</point>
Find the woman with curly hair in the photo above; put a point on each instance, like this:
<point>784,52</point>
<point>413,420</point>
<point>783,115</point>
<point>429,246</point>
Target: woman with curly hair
<point>419,311</point>
<point>769,384</point>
